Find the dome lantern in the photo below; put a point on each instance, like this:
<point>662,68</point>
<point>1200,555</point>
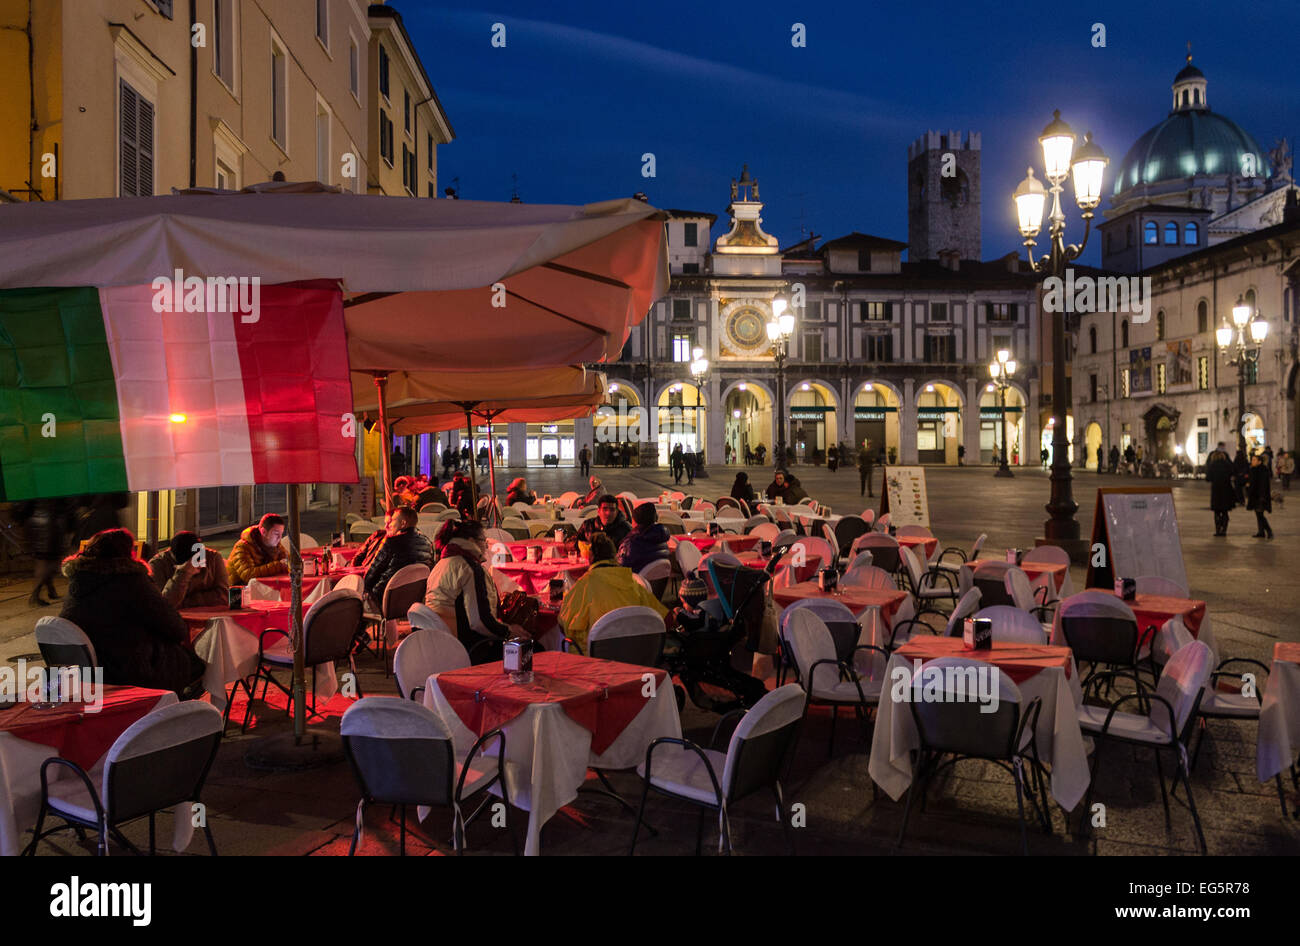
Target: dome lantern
<point>1189,87</point>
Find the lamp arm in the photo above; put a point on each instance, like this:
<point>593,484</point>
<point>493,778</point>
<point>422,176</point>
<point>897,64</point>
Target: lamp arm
<point>1075,249</point>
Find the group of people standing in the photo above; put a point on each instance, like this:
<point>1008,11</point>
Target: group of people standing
<point>1241,482</point>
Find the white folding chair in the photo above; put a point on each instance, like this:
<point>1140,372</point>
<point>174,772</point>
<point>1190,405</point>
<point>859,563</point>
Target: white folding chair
<point>64,644</point>
<point>766,531</point>
<point>963,558</point>
<point>425,652</point>
<point>815,545</point>
<point>688,557</point>
<point>967,604</point>
<point>844,628</point>
<point>839,682</point>
<point>883,548</point>
<point>1013,624</point>
<point>630,635</point>
<point>1163,587</point>
<point>1022,592</point>
<point>925,585</point>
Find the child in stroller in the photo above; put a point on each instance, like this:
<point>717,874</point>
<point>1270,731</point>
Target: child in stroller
<point>699,651</point>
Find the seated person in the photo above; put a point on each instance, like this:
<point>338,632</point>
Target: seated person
<point>606,586</point>
<point>608,520</point>
<point>139,638</point>
<point>593,494</point>
<point>520,493</point>
<point>462,592</point>
<point>404,546</point>
<point>370,547</point>
<point>461,495</point>
<point>184,584</point>
<point>258,553</point>
<point>743,490</point>
<point>777,489</point>
<point>647,542</point>
<point>432,493</point>
<point>794,491</point>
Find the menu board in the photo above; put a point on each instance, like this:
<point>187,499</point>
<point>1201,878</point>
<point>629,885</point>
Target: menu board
<point>1138,528</point>
<point>358,498</point>
<point>904,496</point>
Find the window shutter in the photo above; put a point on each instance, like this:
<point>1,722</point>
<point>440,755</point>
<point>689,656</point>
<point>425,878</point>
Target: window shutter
<point>127,133</point>
<point>145,145</point>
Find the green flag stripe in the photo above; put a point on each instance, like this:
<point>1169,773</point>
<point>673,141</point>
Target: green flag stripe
<point>60,431</point>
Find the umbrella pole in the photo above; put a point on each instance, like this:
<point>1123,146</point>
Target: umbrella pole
<point>385,441</point>
<point>295,620</point>
<point>492,474</point>
<point>473,479</point>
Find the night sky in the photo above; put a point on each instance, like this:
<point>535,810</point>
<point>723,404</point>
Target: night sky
<point>581,91</point>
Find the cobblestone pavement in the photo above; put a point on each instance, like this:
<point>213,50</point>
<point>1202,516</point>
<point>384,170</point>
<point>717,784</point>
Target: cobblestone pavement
<point>1249,584</point>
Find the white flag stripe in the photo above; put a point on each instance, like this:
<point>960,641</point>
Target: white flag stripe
<point>177,363</point>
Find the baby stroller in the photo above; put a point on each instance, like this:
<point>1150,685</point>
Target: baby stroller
<point>699,651</point>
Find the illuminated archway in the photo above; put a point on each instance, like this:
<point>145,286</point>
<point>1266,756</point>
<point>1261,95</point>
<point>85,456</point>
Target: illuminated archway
<point>620,420</point>
<point>875,419</point>
<point>683,418</point>
<point>1092,441</point>
<point>938,423</point>
<point>747,410</point>
<point>813,426</point>
<point>1012,428</point>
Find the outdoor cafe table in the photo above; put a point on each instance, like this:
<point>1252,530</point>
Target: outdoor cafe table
<point>535,577</point>
<point>802,573</point>
<point>226,640</point>
<point>1176,621</point>
<point>29,736</point>
<point>1039,671</point>
<point>578,713</point>
<point>1036,572</point>
<point>282,585</point>
<point>1278,742</point>
<point>705,543</point>
<point>342,554</point>
<point>928,543</point>
<point>876,608</point>
<point>519,549</point>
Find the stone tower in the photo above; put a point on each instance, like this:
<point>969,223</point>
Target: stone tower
<point>943,196</point>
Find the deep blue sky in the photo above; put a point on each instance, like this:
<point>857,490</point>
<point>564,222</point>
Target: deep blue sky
<point>582,90</point>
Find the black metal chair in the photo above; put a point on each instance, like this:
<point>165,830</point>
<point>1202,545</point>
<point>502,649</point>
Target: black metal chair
<point>160,761</point>
<point>328,628</point>
<point>401,754</point>
<point>630,635</point>
<point>1103,632</point>
<point>954,729</point>
<point>756,758</point>
<point>848,530</point>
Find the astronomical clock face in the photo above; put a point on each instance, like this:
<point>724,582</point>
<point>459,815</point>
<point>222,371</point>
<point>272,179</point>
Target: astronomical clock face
<point>747,331</point>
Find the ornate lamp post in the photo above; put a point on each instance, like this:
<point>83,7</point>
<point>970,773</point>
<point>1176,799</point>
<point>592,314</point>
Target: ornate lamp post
<point>1232,342</point>
<point>699,371</point>
<point>1088,165</point>
<point>1001,370</point>
<point>779,331</point>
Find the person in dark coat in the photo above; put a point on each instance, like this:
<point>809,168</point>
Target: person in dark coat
<point>431,494</point>
<point>140,640</point>
<point>677,463</point>
<point>462,495</point>
<point>648,540</point>
<point>1259,495</point>
<point>865,463</point>
<point>794,491</point>
<point>184,584</point>
<point>743,489</point>
<point>1240,476</point>
<point>608,520</point>
<point>45,523</point>
<point>1218,472</point>
<point>1114,458</point>
<point>98,512</point>
<point>519,492</point>
<point>405,545</point>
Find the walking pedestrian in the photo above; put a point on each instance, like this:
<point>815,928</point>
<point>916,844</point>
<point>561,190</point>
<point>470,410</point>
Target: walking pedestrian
<point>46,523</point>
<point>1101,460</point>
<point>584,460</point>
<point>1260,495</point>
<point>1114,459</point>
<point>1285,467</point>
<point>677,462</point>
<point>1218,472</point>
<point>1240,476</point>
<point>627,454</point>
<point>866,460</point>
<point>1042,455</point>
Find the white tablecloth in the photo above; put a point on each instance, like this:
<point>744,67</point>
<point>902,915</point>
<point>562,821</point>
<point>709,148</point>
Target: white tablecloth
<point>20,789</point>
<point>1060,739</point>
<point>1278,742</point>
<point>548,754</point>
<point>230,651</point>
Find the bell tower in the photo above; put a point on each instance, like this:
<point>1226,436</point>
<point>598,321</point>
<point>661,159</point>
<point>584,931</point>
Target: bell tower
<point>943,196</point>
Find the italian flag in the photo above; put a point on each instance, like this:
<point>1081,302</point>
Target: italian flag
<point>100,392</point>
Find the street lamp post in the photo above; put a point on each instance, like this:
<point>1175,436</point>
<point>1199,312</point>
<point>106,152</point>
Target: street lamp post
<point>1001,370</point>
<point>779,331</point>
<point>1088,165</point>
<point>699,371</point>
<point>1232,342</point>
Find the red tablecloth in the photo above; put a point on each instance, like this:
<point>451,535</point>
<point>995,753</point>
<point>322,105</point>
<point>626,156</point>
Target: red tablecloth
<point>602,696</point>
<point>257,617</point>
<point>535,577</point>
<point>856,600</point>
<point>519,550</point>
<point>1017,661</point>
<point>732,543</point>
<point>1058,571</point>
<point>282,585</point>
<point>1157,609</point>
<point>911,541</point>
<point>74,734</point>
<point>1289,652</point>
<point>805,572</point>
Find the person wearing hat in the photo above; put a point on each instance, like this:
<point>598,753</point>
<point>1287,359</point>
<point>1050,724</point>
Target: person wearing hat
<point>648,540</point>
<point>518,492</point>
<point>186,584</point>
<point>605,586</point>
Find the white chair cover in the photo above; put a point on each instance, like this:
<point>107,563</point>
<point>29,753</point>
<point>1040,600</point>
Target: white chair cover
<point>426,651</point>
<point>1164,587</point>
<point>630,621</point>
<point>966,606</point>
<point>322,588</point>
<point>307,542</point>
<point>872,540</point>
<point>56,630</point>
<point>424,617</point>
<point>1089,604</point>
<point>722,557</point>
<point>921,531</point>
<point>882,524</point>
<point>658,569</point>
<point>353,583</point>
<point>1008,692</point>
<point>778,708</point>
<point>1020,588</point>
<point>859,560</point>
<point>869,516</point>
<point>1013,624</point>
<point>260,592</point>
<point>868,576</point>
<point>688,557</point>
<point>814,545</point>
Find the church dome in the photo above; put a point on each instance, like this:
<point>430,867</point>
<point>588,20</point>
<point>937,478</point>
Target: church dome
<point>1191,141</point>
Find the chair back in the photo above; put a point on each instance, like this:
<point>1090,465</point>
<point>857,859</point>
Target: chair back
<point>631,635</point>
<point>728,502</point>
<point>966,606</point>
<point>657,575</point>
<point>809,640</point>
<point>307,542</point>
<point>956,723</point>
<point>1098,627</point>
<point>815,545</point>
<point>882,524</point>
<point>848,530</point>
<point>990,579</point>
<point>1014,624</point>
<point>766,531</point>
<point>756,755</point>
<point>839,620</point>
<point>404,589</point>
<point>353,583</point>
<point>869,517</point>
<point>400,752</point>
<point>329,626</point>
<point>568,498</point>
<point>884,550</point>
<point>63,644</point>
<point>978,546</point>
<point>1046,553</point>
<point>688,557</point>
<point>361,528</point>
<point>498,535</point>
<point>859,560</point>
<point>912,565</point>
<point>868,576</point>
<point>424,652</point>
<point>1020,588</point>
<point>432,507</point>
<point>161,760</point>
<point>1164,587</point>
<point>1182,683</point>
<point>920,531</point>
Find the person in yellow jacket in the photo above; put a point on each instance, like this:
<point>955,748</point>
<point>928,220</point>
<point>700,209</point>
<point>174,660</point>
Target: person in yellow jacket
<point>606,586</point>
<point>258,554</point>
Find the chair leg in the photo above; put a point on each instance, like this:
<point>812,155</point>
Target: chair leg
<point>1164,797</point>
<point>830,745</point>
<point>1201,729</point>
<point>1018,772</point>
<point>782,815</point>
<point>907,811</point>
<point>356,830</point>
<point>636,827</point>
<point>402,834</point>
<point>207,833</point>
<point>30,850</point>
<point>1085,818</point>
<point>1281,794</point>
<point>1191,803</point>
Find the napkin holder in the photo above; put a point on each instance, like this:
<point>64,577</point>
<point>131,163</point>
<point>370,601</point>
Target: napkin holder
<point>535,554</point>
<point>715,529</point>
<point>977,634</point>
<point>235,597</point>
<point>556,587</point>
<point>309,565</point>
<point>1126,589</point>
<point>336,539</point>
<point>518,659</point>
<point>827,578</point>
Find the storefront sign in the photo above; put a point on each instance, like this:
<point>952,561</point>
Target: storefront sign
<point>931,414</point>
<point>873,413</point>
<point>994,413</point>
<point>810,413</point>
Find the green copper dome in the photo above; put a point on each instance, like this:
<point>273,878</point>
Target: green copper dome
<point>1190,141</point>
